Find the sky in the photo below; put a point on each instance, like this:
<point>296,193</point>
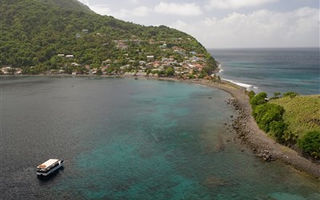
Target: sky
<point>225,23</point>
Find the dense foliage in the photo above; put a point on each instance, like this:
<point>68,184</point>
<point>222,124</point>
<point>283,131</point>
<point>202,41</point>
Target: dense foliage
<point>302,116</point>
<point>34,32</point>
<point>290,119</point>
<point>270,119</point>
<point>258,99</point>
<point>310,143</point>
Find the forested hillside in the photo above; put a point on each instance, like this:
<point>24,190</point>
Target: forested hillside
<point>36,35</point>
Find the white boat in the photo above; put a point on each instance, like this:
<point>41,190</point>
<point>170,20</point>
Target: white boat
<point>48,167</point>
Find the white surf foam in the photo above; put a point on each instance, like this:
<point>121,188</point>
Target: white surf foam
<point>247,86</point>
<point>220,68</point>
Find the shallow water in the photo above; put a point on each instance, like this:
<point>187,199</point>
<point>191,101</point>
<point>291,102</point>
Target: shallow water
<point>131,139</point>
<point>272,70</point>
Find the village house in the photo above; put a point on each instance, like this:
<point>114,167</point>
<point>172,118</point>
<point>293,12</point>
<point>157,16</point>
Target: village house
<point>74,64</point>
<point>150,58</point>
<point>164,46</point>
<point>69,56</point>
<point>87,67</point>
<point>121,44</point>
<point>6,70</point>
<point>106,62</point>
<point>104,68</point>
<point>141,73</point>
<point>18,71</point>
<point>129,74</point>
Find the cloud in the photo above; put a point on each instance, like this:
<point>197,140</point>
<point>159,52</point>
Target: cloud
<point>140,11</point>
<point>236,4</point>
<point>125,14</point>
<point>183,9</point>
<point>134,1</point>
<point>262,28</point>
<point>85,2</point>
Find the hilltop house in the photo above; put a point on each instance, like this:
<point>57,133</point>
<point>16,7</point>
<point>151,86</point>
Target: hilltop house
<point>75,64</point>
<point>150,58</point>
<point>69,56</point>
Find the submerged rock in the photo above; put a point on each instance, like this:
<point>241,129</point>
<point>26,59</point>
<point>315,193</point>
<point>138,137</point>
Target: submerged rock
<point>214,182</point>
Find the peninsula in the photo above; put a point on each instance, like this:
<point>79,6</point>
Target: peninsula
<point>56,37</point>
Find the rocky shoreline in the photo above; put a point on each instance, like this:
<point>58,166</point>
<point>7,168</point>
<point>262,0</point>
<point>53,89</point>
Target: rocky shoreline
<point>257,140</point>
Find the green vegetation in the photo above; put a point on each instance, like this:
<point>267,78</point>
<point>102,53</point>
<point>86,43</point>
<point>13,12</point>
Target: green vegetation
<point>310,143</point>
<point>251,94</point>
<point>258,99</point>
<point>269,116</point>
<point>302,113</point>
<point>290,94</point>
<point>290,119</point>
<point>169,71</point>
<point>270,119</point>
<point>36,35</point>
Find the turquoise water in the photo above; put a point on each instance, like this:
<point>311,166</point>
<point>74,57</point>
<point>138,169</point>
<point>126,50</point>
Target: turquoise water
<point>131,139</point>
<point>272,70</point>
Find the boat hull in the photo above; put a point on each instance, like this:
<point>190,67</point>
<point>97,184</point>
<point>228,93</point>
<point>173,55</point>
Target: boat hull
<point>51,171</point>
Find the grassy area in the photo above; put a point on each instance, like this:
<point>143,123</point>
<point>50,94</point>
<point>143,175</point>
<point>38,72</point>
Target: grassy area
<point>302,113</point>
<point>291,120</point>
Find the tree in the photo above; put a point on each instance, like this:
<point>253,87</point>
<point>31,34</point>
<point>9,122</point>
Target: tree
<point>169,71</point>
<point>251,94</point>
<point>267,113</point>
<point>259,99</point>
<point>310,143</point>
<point>277,129</point>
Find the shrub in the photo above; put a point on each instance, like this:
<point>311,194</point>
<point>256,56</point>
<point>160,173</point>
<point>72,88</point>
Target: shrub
<point>277,129</point>
<point>190,76</point>
<point>276,95</point>
<point>169,71</point>
<point>251,94</point>
<point>259,99</point>
<point>290,94</point>
<point>265,114</point>
<point>310,144</point>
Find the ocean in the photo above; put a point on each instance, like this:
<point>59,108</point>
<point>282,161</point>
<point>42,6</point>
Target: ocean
<point>131,139</point>
<point>272,70</point>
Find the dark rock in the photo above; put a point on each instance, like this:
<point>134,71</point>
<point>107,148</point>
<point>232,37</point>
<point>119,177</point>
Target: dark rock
<point>266,156</point>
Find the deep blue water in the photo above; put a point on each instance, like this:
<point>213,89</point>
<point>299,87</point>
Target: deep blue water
<point>272,70</point>
<point>131,139</point>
